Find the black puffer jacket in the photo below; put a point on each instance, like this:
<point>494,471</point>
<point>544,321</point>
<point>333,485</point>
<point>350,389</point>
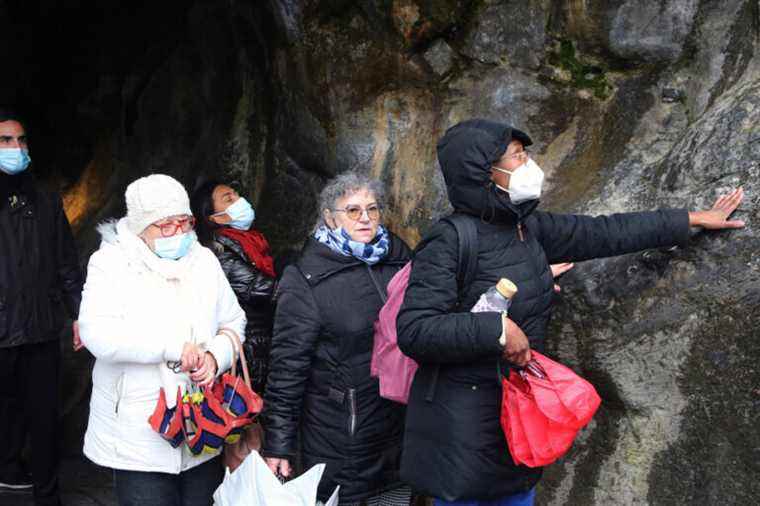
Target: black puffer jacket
<point>454,447</point>
<point>319,377</point>
<point>255,291</point>
<point>39,267</point>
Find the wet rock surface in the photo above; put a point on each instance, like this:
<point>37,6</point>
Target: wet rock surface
<point>632,105</point>
<point>512,32</point>
<point>652,31</point>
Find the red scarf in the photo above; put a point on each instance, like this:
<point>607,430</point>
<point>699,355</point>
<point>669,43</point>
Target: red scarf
<point>255,246</point>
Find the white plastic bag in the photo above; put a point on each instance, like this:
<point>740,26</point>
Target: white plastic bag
<point>254,484</point>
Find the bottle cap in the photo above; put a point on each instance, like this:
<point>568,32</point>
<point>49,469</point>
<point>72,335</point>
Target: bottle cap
<point>506,288</point>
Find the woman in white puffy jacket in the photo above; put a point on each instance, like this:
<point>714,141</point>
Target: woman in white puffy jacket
<point>154,296</point>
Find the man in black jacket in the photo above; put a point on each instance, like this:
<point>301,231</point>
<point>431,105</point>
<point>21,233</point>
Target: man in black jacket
<point>454,448</point>
<point>38,269</point>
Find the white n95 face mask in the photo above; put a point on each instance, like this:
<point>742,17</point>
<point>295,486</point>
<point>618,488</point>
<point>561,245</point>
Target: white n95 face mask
<point>525,182</point>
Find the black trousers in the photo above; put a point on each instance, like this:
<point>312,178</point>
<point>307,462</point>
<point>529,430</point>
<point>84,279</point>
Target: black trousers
<point>29,377</point>
<point>194,487</point>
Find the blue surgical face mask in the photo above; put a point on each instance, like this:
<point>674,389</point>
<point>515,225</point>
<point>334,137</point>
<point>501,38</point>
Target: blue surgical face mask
<point>173,247</point>
<point>242,214</point>
<point>14,160</point>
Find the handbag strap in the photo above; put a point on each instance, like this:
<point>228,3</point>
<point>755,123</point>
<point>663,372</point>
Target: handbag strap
<point>536,369</point>
<point>237,352</point>
<point>235,348</point>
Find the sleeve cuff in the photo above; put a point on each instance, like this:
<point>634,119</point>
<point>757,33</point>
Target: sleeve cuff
<point>682,230</point>
<point>173,352</point>
<point>221,348</point>
<point>489,330</point>
<point>72,306</point>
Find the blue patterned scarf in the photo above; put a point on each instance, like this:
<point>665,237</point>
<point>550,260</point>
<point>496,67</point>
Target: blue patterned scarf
<point>339,241</point>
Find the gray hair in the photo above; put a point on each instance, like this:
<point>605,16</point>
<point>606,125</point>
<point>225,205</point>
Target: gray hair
<point>344,185</point>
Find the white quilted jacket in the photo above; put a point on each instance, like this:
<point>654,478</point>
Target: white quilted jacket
<point>137,312</point>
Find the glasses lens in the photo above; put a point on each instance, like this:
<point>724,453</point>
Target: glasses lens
<point>354,213</point>
<point>168,229</point>
<point>183,224</point>
<point>373,212</point>
<point>187,223</point>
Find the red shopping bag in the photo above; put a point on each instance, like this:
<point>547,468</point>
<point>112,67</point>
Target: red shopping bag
<point>536,439</point>
<point>562,395</point>
<point>512,425</point>
<point>541,417</point>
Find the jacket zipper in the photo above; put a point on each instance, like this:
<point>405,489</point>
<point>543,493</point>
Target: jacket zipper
<point>380,291</point>
<point>352,391</point>
<point>119,392</point>
<point>351,411</point>
<point>520,231</point>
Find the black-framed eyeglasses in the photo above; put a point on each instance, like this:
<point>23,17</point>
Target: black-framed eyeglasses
<point>170,228</point>
<point>355,213</point>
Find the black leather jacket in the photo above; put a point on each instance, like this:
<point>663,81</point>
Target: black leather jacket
<point>39,267</point>
<point>255,291</point>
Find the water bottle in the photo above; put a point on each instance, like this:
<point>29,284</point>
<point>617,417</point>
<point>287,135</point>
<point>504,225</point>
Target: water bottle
<point>497,298</point>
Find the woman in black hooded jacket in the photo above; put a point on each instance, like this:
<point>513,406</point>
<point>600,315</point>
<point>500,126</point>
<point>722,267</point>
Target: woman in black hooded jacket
<point>454,448</point>
<point>319,382</point>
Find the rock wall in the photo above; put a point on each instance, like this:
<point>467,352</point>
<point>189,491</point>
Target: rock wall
<point>633,105</point>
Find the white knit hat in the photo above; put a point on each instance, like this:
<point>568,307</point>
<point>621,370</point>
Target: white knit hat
<point>153,198</point>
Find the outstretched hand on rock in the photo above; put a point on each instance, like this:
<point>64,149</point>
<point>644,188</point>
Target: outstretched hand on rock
<point>717,217</point>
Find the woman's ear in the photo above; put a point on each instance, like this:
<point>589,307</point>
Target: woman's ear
<point>214,219</point>
<point>328,218</point>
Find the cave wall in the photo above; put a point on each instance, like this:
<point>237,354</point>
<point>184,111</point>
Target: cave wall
<point>633,105</point>
<point>128,90</point>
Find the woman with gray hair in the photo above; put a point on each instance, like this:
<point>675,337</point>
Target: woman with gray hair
<point>319,381</point>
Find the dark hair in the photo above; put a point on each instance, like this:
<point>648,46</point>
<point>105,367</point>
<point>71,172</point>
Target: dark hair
<point>10,114</point>
<point>202,205</point>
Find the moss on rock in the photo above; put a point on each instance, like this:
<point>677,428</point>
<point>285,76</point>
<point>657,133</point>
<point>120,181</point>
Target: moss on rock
<point>584,75</point>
